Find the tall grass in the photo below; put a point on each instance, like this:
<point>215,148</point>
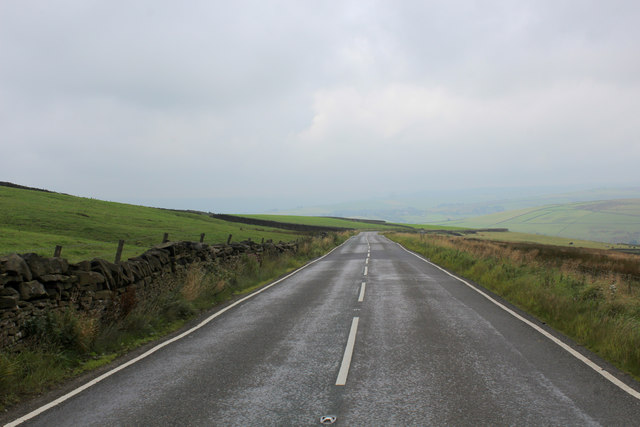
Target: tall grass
<point>61,345</point>
<point>593,296</point>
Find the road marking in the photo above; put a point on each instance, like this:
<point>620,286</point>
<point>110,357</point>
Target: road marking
<point>362,288</point>
<point>599,369</point>
<point>366,270</point>
<point>348,353</point>
<point>328,419</point>
<point>95,381</point>
<point>366,261</point>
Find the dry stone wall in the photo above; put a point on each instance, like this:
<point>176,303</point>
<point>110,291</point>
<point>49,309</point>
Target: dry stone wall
<point>32,285</point>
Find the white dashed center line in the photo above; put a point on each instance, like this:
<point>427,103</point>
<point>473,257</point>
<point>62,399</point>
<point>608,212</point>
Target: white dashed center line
<point>348,353</point>
<point>362,288</point>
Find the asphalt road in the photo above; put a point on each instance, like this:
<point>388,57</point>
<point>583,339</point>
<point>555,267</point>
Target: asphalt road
<point>427,350</point>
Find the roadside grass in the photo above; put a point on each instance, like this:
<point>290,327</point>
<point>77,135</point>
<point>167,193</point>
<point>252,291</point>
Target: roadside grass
<point>592,296</point>
<point>59,346</point>
<point>34,221</point>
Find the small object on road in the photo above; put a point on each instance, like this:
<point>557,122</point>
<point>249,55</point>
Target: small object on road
<point>328,419</point>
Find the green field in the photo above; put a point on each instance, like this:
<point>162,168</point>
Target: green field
<point>513,236</point>
<point>485,235</point>
<point>613,221</point>
<point>35,221</point>
<point>326,222</point>
<point>435,227</point>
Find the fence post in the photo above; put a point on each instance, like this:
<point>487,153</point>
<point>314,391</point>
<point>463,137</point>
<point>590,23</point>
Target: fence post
<point>165,239</point>
<point>119,251</point>
<point>229,239</point>
<point>202,238</point>
<point>57,252</point>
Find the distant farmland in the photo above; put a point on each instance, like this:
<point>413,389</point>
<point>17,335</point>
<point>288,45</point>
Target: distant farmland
<point>613,221</point>
<point>330,222</point>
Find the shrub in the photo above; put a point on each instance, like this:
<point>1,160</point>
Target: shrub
<point>193,284</point>
<point>8,371</point>
<point>66,331</point>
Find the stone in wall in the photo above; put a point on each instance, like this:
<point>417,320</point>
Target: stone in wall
<point>8,298</point>
<point>43,266</point>
<point>89,280</point>
<point>15,268</point>
<point>32,290</point>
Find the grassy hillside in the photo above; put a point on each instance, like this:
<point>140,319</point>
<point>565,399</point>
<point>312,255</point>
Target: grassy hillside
<point>614,221</point>
<point>35,221</point>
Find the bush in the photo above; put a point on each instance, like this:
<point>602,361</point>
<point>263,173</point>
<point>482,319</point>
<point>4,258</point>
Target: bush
<point>8,371</point>
<point>178,310</point>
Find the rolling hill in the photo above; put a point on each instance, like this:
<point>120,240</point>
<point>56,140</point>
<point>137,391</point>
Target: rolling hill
<point>613,221</point>
<point>36,221</point>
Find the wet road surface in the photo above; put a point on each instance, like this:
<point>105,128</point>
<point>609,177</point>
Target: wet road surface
<point>370,334</point>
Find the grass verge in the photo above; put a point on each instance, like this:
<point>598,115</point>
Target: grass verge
<point>59,346</point>
<point>592,296</point>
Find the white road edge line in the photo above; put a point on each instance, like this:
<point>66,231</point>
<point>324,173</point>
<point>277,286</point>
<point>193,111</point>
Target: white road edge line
<point>559,342</point>
<point>362,288</point>
<point>366,270</point>
<point>95,381</point>
<point>348,353</point>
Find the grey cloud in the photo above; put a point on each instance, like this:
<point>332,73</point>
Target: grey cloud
<point>285,99</point>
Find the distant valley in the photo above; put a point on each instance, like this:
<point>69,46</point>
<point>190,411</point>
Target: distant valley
<point>606,215</point>
<point>614,221</point>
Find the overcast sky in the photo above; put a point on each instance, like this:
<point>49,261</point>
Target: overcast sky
<point>302,102</point>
